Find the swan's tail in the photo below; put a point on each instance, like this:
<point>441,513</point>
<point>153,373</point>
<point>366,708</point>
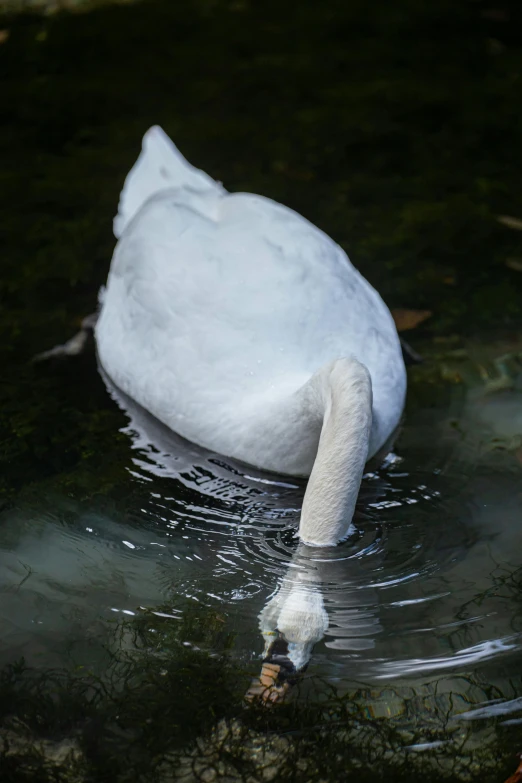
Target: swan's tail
<point>160,166</point>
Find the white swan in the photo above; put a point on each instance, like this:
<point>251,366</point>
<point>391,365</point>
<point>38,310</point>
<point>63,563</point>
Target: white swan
<point>246,330</point>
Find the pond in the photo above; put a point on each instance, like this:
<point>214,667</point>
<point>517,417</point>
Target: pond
<point>135,567</point>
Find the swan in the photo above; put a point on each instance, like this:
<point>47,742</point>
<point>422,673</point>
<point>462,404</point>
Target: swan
<point>246,330</point>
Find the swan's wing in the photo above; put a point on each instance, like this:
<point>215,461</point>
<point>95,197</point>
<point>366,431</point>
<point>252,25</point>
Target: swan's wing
<point>160,166</point>
<point>261,274</point>
<point>241,284</point>
<point>216,303</point>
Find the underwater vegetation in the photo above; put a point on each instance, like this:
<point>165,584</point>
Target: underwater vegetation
<point>166,710</point>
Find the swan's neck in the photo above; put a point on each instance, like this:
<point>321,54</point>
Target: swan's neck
<point>343,395</point>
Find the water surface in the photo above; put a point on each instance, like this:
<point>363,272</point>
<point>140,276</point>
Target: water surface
<point>135,565</point>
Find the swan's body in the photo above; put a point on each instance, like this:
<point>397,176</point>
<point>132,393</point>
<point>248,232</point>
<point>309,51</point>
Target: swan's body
<point>245,329</point>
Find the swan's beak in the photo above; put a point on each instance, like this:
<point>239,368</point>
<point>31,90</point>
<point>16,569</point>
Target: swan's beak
<point>278,674</point>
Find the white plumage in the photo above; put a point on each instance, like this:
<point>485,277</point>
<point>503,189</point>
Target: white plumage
<point>224,315</point>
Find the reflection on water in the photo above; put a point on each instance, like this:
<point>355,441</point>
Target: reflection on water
<point>427,585</point>
<point>415,588</point>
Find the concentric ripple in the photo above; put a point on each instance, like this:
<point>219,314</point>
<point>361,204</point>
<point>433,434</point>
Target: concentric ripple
<point>428,579</point>
<point>409,591</point>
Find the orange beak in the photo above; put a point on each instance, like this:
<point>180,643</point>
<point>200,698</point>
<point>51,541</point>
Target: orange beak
<point>268,687</point>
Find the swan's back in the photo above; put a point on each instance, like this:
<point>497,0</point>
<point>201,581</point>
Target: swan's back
<point>217,301</point>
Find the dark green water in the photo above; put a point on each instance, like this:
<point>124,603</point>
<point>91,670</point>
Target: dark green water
<point>132,577</point>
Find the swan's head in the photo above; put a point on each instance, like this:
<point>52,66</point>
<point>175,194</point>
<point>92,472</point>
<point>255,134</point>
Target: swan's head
<point>293,621</point>
<point>278,674</point>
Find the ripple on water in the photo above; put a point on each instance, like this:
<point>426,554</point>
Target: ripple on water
<point>426,581</point>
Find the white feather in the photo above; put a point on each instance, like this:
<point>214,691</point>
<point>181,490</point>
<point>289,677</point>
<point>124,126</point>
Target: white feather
<point>159,167</point>
<point>224,315</point>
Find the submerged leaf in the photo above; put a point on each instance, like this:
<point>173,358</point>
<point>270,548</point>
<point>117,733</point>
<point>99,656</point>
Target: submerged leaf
<point>409,319</point>
<point>514,263</point>
<point>510,222</point>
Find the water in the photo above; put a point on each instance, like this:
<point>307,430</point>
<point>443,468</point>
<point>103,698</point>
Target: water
<point>135,567</point>
<point>185,549</point>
